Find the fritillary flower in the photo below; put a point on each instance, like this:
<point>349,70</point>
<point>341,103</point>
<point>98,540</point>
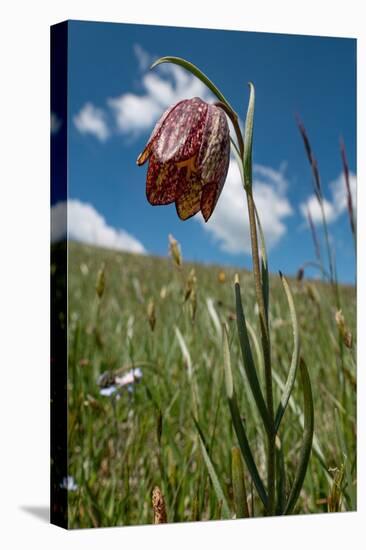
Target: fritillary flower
<point>188,154</point>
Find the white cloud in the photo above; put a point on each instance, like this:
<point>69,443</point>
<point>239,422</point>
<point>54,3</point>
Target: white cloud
<point>229,224</point>
<point>338,189</point>
<point>337,204</point>
<point>144,58</point>
<point>86,225</point>
<point>92,120</point>
<point>56,123</point>
<point>168,84</point>
<point>134,114</point>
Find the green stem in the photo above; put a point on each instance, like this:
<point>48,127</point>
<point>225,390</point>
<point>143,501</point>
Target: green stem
<point>245,149</point>
<point>266,350</point>
<point>248,180</point>
<point>235,120</point>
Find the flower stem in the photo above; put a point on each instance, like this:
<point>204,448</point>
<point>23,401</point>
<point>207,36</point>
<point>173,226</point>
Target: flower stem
<point>245,150</point>
<point>263,315</point>
<point>235,120</point>
<point>266,351</point>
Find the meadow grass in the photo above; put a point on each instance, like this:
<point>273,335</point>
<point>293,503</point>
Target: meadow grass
<point>167,321</point>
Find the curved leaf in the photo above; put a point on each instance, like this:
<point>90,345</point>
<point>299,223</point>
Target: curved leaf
<point>245,450</point>
<point>280,478</point>
<point>196,72</point>
<point>238,480</point>
<point>248,139</point>
<point>248,359</point>
<point>238,158</point>
<point>264,265</point>
<point>238,424</point>
<point>295,355</point>
<point>316,444</point>
<point>215,480</point>
<point>307,439</point>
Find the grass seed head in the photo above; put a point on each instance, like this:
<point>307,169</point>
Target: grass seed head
<point>158,504</point>
<point>151,316</point>
<point>100,283</point>
<point>175,252</point>
<point>221,277</point>
<point>343,329</point>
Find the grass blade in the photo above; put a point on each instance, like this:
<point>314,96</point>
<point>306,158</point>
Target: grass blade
<point>349,489</point>
<point>295,356</point>
<point>318,452</point>
<point>281,478</point>
<point>215,480</point>
<point>307,440</point>
<point>239,490</point>
<point>188,364</point>
<point>248,360</point>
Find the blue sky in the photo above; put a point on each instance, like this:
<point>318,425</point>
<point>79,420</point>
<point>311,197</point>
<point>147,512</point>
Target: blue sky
<point>114,101</point>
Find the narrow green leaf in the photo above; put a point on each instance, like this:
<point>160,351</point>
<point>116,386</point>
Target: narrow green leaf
<point>280,477</point>
<point>238,158</point>
<point>299,414</point>
<point>227,364</point>
<point>196,72</point>
<point>264,265</point>
<point>248,139</point>
<point>349,493</point>
<point>307,439</point>
<point>239,489</point>
<point>215,480</point>
<point>295,356</point>
<point>188,363</point>
<point>214,316</point>
<point>237,422</point>
<point>257,348</point>
<point>248,361</point>
<point>245,450</point>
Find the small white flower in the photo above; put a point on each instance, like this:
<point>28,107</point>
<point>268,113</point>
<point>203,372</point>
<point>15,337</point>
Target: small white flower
<point>129,378</point>
<point>107,392</point>
<point>68,483</point>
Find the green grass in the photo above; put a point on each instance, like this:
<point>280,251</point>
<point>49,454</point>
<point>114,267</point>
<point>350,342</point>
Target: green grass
<point>119,450</point>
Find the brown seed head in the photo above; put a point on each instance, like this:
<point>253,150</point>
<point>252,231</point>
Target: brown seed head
<point>158,504</point>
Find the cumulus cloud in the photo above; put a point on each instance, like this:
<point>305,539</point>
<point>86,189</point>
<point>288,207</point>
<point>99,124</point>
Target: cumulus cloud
<point>133,114</point>
<point>229,224</point>
<point>92,120</point>
<point>86,225</point>
<point>337,204</point>
<point>137,113</point>
<point>144,59</point>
